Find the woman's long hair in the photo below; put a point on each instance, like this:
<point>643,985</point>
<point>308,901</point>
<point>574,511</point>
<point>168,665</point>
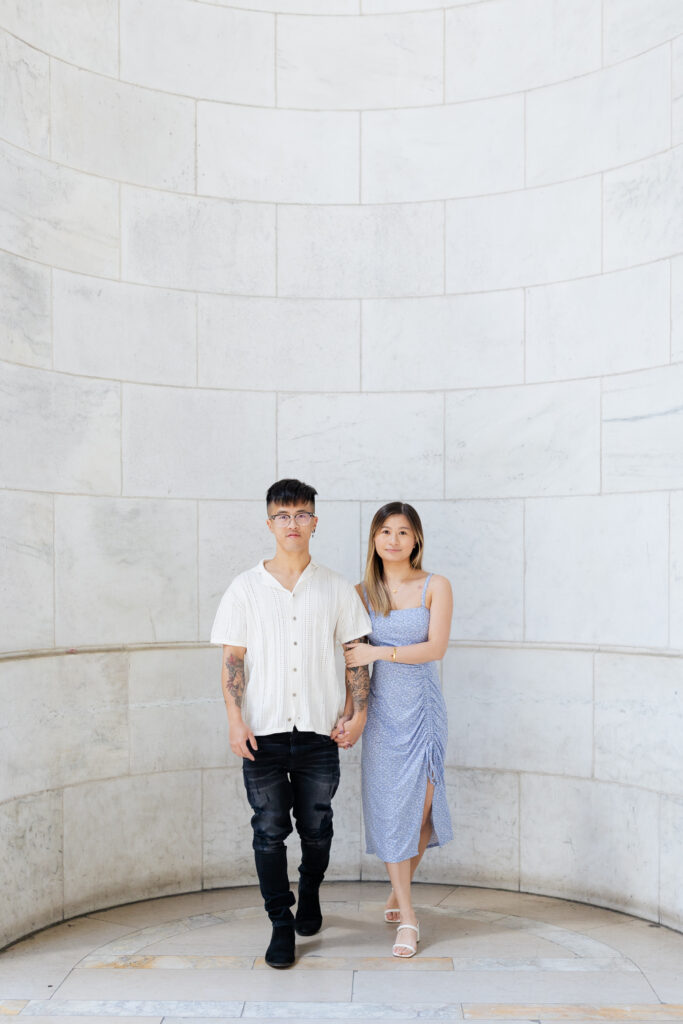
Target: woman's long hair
<point>375,584</point>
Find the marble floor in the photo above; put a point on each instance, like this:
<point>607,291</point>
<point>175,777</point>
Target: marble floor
<point>485,955</point>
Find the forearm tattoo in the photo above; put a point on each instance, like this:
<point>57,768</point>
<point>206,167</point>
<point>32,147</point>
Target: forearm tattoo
<point>358,680</point>
<point>234,681</point>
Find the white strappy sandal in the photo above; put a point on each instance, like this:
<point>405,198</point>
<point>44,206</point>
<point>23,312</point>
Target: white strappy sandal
<point>406,945</point>
<point>392,910</point>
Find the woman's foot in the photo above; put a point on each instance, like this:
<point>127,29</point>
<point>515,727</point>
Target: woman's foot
<point>392,915</point>
<point>407,938</point>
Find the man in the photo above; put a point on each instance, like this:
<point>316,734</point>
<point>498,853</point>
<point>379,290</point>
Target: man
<point>288,712</point>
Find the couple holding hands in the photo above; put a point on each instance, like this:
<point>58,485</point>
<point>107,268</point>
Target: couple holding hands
<point>289,713</point>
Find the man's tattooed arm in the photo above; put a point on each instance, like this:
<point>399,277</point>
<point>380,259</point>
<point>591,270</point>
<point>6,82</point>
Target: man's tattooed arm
<point>233,678</point>
<point>242,739</point>
<point>358,681</point>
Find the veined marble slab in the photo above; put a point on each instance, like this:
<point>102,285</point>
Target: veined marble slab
<point>131,1008</point>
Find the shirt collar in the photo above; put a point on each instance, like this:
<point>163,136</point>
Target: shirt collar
<point>269,580</point>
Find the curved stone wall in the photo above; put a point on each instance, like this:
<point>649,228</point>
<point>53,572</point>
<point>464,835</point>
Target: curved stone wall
<point>398,249</point>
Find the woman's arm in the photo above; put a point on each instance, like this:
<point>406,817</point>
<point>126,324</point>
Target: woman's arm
<point>433,649</point>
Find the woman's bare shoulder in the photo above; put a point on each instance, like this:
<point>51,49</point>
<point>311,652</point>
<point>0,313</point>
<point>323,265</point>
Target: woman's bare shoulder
<point>439,585</point>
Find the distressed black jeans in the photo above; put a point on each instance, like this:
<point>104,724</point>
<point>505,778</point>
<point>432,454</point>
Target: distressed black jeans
<point>292,772</point>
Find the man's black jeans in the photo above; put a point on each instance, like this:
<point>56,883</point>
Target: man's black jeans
<point>296,771</point>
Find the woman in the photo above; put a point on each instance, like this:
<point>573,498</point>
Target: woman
<point>404,741</point>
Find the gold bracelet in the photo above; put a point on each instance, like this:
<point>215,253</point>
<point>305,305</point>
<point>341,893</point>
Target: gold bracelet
<point>393,654</point>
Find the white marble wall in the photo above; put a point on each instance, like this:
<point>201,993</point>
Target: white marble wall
<point>398,248</point>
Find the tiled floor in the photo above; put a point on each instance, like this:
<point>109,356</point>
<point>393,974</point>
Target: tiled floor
<point>484,956</point>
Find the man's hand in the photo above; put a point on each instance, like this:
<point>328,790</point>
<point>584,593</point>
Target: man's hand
<point>349,732</point>
<point>240,735</point>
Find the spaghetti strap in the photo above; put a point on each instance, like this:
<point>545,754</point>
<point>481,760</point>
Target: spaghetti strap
<point>424,589</point>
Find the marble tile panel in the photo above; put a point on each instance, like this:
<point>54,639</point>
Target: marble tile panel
<point>70,1014</point>
<point>484,810</point>
<point>677,309</point>
<point>477,545</point>
<point>509,986</point>
<point>397,61</point>
<point>174,986</point>
<point>668,985</point>
<point>58,216</point>
<point>83,32</point>
<point>25,88</point>
<point>293,6</point>
<point>633,26</point>
<point>130,838</point>
<point>200,50</point>
<point>197,443</point>
<point>344,1013</point>
<point>548,695</point>
<point>399,6</point>
<point>31,864</point>
<point>36,967</point>
<point>610,323</point>
<point>177,715</point>
<point>676,572</point>
<point>120,131</point>
<point>60,433</point>
<point>511,45</point>
<point>645,943</point>
<point>638,719</point>
<point>677,121</point>
<point>510,240</point>
<point>278,344</point>
<point>611,117</point>
<point>72,713</point>
<point>670,891</point>
<point>450,341</point>
<point>643,211</point>
<point>282,156</point>
<point>173,908</point>
<point>122,331</point>
<point>590,840</point>
<point>25,312</point>
<point>526,440</point>
<point>125,571</point>
<point>366,252</point>
<point>26,593</point>
<point>134,1010</point>
<point>473,148</point>
<point>677,66</point>
<point>605,560</point>
<point>181,241</point>
<point>642,431</point>
<point>328,438</point>
<point>227,855</point>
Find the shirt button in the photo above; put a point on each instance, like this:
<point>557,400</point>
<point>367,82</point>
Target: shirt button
<point>289,719</point>
<point>294,618</point>
<point>295,643</point>
<point>293,670</point>
<point>294,695</point>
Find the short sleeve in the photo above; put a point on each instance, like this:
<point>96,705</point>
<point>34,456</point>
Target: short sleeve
<point>230,625</point>
<point>353,621</point>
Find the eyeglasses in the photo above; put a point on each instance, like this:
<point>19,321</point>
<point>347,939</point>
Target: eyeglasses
<point>283,519</point>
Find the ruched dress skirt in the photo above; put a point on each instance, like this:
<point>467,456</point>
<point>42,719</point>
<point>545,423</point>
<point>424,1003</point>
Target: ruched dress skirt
<point>404,742</point>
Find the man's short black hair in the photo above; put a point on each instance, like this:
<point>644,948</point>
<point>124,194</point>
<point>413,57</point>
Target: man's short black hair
<point>290,492</point>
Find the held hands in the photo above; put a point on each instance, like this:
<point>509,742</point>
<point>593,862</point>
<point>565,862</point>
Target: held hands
<point>240,734</point>
<point>356,655</point>
<point>348,730</point>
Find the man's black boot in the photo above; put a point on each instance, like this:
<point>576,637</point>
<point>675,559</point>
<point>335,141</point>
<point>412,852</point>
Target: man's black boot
<point>308,918</point>
<point>281,951</point>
